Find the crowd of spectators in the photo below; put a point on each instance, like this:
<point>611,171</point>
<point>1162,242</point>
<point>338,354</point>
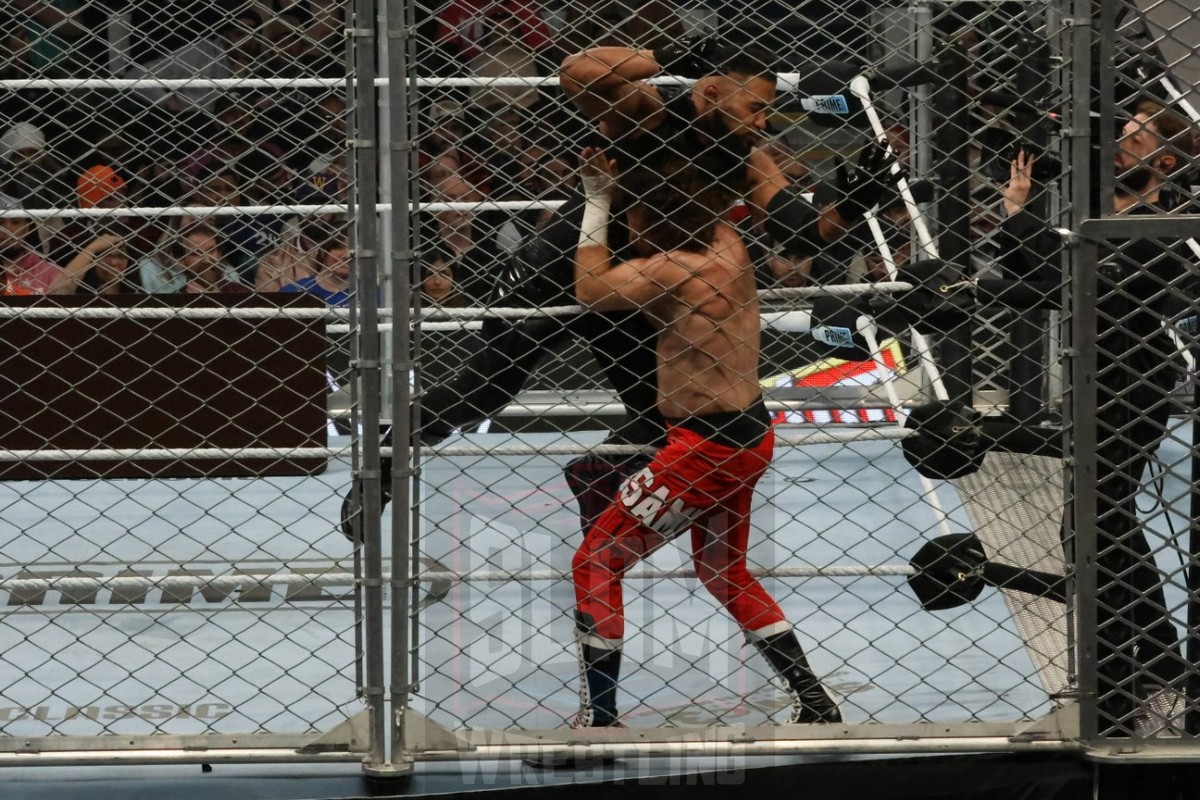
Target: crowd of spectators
<point>200,146</point>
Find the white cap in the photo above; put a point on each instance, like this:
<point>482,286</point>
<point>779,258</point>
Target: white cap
<point>22,136</point>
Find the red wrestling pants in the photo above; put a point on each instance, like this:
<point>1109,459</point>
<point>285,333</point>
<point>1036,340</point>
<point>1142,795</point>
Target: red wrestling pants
<point>695,484</point>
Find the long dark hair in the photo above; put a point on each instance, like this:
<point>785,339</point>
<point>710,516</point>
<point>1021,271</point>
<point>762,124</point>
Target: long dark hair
<point>684,197</point>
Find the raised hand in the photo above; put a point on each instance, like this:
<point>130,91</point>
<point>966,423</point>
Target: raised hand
<point>1020,183</point>
<point>597,172</point>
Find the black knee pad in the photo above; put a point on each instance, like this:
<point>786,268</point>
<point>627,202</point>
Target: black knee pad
<point>596,479</point>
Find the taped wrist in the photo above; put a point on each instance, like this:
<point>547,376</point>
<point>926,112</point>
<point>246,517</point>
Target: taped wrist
<point>594,228</point>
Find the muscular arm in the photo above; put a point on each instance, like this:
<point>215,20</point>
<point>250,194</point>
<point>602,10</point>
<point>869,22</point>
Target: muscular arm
<point>798,233</point>
<point>603,286</point>
<point>608,85</point>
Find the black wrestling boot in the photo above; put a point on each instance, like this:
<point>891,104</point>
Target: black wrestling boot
<point>811,703</point>
<point>599,671</point>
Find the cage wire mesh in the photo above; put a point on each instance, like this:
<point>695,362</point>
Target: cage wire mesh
<point>192,323</point>
<point>176,333</point>
<point>834,525</point>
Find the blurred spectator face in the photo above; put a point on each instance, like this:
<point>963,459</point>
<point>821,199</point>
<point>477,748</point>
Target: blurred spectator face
<point>25,158</point>
<point>319,228</point>
<point>448,127</point>
<point>454,189</point>
<point>504,133</point>
<point>23,144</point>
<point>545,174</point>
<point>438,283</point>
<point>219,188</point>
<point>13,231</point>
<point>112,265</point>
<point>336,260</point>
<point>445,167</point>
<point>1141,154</point>
<point>243,44</point>
<point>237,114</point>
<point>201,252</point>
<point>285,39</point>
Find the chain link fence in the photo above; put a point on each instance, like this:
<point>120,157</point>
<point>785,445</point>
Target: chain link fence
<point>273,267</point>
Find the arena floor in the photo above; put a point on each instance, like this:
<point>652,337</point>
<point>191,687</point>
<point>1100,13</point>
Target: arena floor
<point>493,654</point>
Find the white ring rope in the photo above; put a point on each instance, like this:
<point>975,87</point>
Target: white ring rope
<point>787,81</point>
<point>843,434</point>
<point>172,453</point>
<point>108,312</point>
<point>651,573</point>
<point>477,313</point>
<point>341,577</point>
<point>277,210</point>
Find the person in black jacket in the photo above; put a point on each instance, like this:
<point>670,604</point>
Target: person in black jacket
<point>1141,284</point>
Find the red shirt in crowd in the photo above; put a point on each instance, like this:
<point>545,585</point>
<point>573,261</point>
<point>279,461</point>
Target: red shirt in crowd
<point>31,274</point>
<point>463,24</point>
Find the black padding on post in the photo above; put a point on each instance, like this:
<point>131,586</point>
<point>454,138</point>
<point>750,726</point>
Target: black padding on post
<point>1020,295</point>
<point>948,571</point>
<point>936,302</point>
<point>1013,437</point>
<point>947,441</point>
<point>835,324</point>
<point>952,570</point>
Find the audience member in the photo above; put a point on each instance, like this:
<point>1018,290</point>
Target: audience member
<point>242,133</point>
<point>81,240</point>
<point>31,174</point>
<point>320,123</point>
<point>1140,285</point>
<point>30,171</point>
<point>299,39</point>
<point>503,53</point>
<point>245,238</point>
<point>233,49</point>
<point>190,260</point>
<point>438,287</point>
<point>450,143</point>
<point>102,268</point>
<point>294,257</point>
<point>331,282</point>
<point>464,25</point>
<point>51,32</point>
<point>127,139</point>
<point>641,24</point>
<point>24,271</point>
<point>468,236</point>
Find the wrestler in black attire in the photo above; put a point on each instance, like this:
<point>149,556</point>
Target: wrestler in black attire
<point>541,273</point>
